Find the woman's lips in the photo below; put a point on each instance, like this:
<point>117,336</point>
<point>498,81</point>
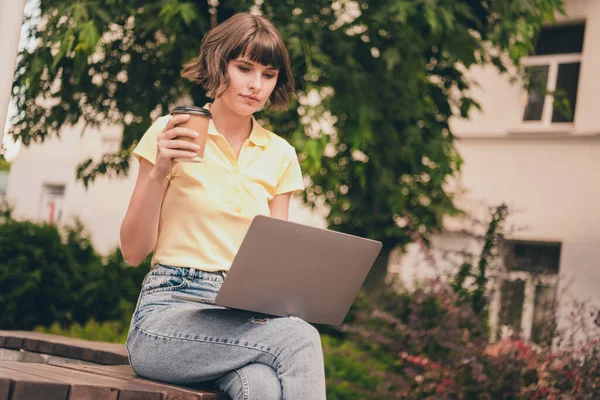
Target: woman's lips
<point>252,99</point>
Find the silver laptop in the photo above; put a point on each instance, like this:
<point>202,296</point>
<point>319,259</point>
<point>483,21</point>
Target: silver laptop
<point>288,269</point>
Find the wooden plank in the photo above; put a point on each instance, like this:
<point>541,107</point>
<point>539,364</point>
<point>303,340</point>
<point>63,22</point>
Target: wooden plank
<point>33,335</point>
<point>126,372</point>
<point>4,388</point>
<point>80,388</point>
<point>87,350</point>
<point>45,347</point>
<point>104,353</point>
<point>121,371</point>
<point>127,388</point>
<point>86,386</point>
<point>134,395</point>
<point>109,358</point>
<point>30,387</point>
<point>13,342</point>
<point>13,335</point>
<point>111,347</point>
<point>81,385</point>
<point>30,344</point>
<point>68,350</point>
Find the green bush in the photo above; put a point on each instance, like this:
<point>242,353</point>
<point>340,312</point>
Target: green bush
<point>37,275</point>
<point>50,275</point>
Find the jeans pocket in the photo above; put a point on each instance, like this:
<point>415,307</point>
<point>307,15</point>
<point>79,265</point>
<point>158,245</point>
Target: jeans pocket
<point>161,283</point>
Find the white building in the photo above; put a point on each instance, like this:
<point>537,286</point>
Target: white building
<point>516,151</point>
<point>520,151</point>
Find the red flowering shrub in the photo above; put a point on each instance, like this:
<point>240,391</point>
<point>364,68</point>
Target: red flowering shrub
<point>433,343</point>
<point>429,345</point>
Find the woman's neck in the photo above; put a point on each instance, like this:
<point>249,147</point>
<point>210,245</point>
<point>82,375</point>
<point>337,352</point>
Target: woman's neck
<point>230,124</point>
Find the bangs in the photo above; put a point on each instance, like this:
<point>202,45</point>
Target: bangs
<point>262,48</point>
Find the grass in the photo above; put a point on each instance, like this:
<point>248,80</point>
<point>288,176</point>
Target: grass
<point>109,331</point>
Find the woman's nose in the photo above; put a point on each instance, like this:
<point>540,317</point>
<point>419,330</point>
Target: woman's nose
<point>254,83</point>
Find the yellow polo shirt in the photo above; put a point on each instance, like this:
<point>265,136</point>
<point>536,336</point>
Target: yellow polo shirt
<point>208,206</point>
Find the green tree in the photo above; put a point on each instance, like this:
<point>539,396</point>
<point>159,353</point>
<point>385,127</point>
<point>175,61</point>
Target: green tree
<point>378,82</point>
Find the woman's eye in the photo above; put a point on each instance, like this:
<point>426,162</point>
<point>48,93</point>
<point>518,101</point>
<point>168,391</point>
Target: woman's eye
<point>245,69</point>
<point>270,76</point>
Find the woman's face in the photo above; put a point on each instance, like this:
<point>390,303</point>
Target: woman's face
<point>250,85</point>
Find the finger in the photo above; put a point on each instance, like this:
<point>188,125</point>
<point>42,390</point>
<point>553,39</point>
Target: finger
<point>177,119</point>
<point>179,144</point>
<point>170,153</point>
<point>180,131</point>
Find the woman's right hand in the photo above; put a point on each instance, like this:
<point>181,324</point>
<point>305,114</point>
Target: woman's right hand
<point>170,146</point>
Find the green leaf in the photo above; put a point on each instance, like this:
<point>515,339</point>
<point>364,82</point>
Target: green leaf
<point>65,46</point>
<point>391,56</point>
<point>431,18</point>
<point>79,12</point>
<point>188,14</point>
<point>88,38</point>
<point>100,12</point>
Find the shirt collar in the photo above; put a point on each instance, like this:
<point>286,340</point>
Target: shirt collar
<point>258,136</point>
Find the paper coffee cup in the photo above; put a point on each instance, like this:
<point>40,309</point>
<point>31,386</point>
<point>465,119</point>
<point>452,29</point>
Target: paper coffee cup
<point>198,122</point>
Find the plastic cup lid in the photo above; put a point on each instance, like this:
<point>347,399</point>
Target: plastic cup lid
<point>191,110</point>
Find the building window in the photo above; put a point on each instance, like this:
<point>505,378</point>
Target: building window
<point>554,69</point>
<point>51,203</point>
<point>524,301</point>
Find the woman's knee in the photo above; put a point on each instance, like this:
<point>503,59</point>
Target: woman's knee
<point>253,382</point>
<point>306,334</point>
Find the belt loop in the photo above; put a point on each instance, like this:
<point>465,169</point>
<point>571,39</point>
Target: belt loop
<point>192,272</point>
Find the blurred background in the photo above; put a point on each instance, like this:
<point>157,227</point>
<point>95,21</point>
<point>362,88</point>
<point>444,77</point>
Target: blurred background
<point>463,134</point>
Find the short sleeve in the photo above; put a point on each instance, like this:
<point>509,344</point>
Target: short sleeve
<point>146,147</point>
<point>290,176</point>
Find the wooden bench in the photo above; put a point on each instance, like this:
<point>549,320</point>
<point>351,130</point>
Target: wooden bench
<point>80,369</point>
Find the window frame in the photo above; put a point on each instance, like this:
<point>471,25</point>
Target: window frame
<point>46,194</point>
<point>552,61</point>
<point>531,281</point>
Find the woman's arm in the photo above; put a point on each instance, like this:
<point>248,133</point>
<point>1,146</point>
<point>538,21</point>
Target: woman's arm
<point>280,206</point>
<point>139,230</point>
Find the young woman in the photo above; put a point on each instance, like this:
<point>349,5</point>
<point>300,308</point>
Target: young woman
<point>194,217</point>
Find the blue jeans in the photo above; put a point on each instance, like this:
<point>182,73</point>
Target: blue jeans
<point>248,355</point>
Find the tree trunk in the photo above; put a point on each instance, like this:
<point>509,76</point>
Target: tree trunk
<point>376,277</point>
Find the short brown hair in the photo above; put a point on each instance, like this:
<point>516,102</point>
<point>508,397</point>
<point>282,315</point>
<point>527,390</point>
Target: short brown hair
<point>241,35</point>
